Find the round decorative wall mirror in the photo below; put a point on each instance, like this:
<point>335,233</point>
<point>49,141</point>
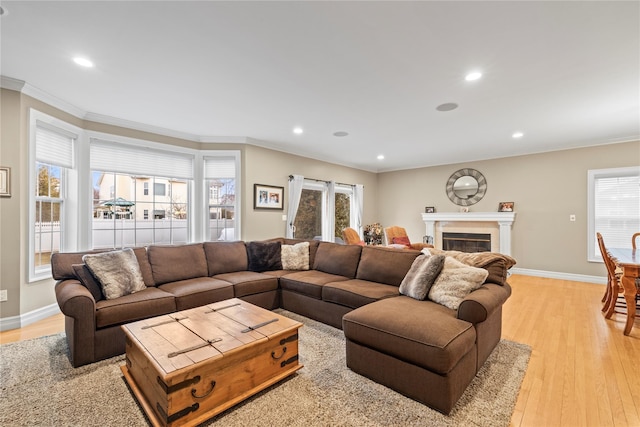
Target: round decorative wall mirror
<point>466,187</point>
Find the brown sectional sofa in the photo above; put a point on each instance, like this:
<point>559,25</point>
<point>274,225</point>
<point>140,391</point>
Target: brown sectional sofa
<point>419,348</point>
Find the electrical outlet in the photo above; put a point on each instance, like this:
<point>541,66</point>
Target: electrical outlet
<point>572,217</point>
<point>3,295</point>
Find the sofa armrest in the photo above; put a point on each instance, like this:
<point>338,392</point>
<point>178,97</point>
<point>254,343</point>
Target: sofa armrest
<point>481,303</point>
<point>75,300</point>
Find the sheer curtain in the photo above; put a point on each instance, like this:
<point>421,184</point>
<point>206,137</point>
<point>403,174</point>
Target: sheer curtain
<point>329,223</point>
<point>296,182</point>
<point>358,206</point>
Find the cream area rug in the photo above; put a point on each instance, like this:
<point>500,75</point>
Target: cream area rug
<point>39,387</point>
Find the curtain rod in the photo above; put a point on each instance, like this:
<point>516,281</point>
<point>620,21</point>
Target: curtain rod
<point>323,180</point>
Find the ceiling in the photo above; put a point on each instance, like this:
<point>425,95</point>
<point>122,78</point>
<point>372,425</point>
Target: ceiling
<point>566,74</point>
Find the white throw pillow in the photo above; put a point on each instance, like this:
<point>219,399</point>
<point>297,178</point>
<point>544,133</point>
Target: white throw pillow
<point>117,271</point>
<point>295,257</point>
<point>455,282</point>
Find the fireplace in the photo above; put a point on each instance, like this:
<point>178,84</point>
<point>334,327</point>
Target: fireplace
<point>466,242</point>
<point>497,224</point>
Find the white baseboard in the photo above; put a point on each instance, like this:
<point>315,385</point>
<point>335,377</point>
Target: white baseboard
<point>601,280</point>
<point>15,322</point>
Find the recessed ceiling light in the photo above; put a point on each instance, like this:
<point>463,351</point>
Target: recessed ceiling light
<point>340,133</point>
<point>380,157</point>
<point>517,135</point>
<point>447,106</point>
<point>298,130</point>
<point>473,76</point>
<point>83,62</point>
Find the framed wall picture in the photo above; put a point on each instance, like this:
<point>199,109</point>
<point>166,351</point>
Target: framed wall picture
<point>429,209</point>
<point>5,181</point>
<point>505,207</point>
<point>268,197</point>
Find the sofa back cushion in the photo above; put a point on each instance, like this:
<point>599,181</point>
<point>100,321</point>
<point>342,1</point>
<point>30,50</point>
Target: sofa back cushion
<point>225,257</point>
<point>173,263</point>
<point>385,265</point>
<point>341,260</point>
<point>62,264</point>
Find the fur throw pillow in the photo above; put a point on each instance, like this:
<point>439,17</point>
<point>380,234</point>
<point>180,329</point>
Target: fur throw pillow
<point>117,271</point>
<point>420,277</point>
<point>455,282</point>
<point>295,257</point>
<point>264,256</point>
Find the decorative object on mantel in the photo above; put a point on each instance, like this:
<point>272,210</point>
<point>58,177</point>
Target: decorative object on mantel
<point>464,209</point>
<point>373,234</point>
<point>466,187</point>
<point>429,209</point>
<point>505,207</point>
<point>268,197</point>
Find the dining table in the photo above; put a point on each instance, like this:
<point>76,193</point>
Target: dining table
<point>629,261</point>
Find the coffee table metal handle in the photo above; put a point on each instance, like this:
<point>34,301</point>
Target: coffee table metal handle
<point>273,354</point>
<point>193,391</point>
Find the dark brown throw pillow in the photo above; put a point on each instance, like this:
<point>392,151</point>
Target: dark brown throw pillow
<point>264,256</point>
<point>86,278</point>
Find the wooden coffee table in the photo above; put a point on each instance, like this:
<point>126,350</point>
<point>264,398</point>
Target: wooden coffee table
<point>188,366</point>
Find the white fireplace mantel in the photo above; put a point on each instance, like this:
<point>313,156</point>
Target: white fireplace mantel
<point>504,220</point>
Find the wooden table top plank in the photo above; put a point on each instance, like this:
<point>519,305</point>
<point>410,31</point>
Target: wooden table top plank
<point>215,326</point>
<point>254,318</point>
<point>170,338</point>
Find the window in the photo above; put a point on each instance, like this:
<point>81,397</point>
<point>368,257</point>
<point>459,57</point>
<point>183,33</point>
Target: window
<point>130,216</point>
<point>613,207</point>
<point>221,184</point>
<point>159,189</point>
<point>52,179</point>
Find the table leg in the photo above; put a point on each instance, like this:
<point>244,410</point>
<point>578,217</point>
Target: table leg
<point>630,291</point>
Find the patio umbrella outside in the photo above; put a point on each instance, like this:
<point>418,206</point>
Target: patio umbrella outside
<point>118,202</point>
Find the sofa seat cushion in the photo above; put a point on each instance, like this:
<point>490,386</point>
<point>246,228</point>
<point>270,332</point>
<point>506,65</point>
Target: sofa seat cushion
<point>192,293</point>
<point>308,282</point>
<point>422,333</point>
<point>249,282</point>
<point>355,293</point>
<point>149,302</point>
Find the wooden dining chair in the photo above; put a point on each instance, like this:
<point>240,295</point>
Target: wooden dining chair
<point>614,301</point>
<point>633,240</point>
<point>398,236</point>
<point>614,287</point>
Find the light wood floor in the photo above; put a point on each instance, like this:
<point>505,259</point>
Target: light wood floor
<point>583,371</point>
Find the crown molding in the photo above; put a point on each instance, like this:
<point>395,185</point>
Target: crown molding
<point>11,83</point>
<point>128,124</point>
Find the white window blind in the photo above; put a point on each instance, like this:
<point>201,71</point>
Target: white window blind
<point>219,167</point>
<point>124,158</point>
<point>54,146</point>
<point>615,207</point>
